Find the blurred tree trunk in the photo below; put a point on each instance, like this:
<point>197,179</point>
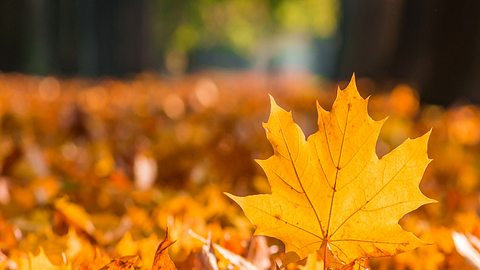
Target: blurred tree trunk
<point>368,37</point>
<point>39,48</point>
<point>78,37</point>
<point>434,45</point>
<point>454,47</point>
<point>86,52</point>
<point>12,35</point>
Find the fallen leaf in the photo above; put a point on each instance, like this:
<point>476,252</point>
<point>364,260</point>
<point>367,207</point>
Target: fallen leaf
<point>206,258</point>
<point>162,259</point>
<point>123,263</point>
<point>331,192</point>
<point>126,245</point>
<point>313,263</point>
<point>147,249</point>
<point>259,252</point>
<point>232,258</point>
<point>75,215</point>
<point>468,246</point>
<point>41,261</point>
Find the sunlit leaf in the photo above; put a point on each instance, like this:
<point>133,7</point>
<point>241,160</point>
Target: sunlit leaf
<point>331,191</point>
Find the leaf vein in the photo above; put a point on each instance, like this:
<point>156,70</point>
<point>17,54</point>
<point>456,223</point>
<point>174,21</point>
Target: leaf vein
<point>285,221</point>
<point>378,192</point>
<point>298,178</point>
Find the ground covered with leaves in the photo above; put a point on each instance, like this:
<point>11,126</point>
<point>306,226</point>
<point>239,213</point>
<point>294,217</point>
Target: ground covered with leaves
<point>95,173</point>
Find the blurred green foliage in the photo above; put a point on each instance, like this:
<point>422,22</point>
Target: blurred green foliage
<point>239,24</point>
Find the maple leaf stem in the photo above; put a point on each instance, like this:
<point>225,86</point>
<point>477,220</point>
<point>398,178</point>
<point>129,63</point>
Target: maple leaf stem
<point>325,256</point>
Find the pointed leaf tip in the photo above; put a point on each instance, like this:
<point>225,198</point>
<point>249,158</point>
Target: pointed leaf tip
<point>272,100</point>
<point>273,105</point>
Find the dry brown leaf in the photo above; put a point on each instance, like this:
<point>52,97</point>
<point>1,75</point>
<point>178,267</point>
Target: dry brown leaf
<point>162,259</point>
<point>123,263</point>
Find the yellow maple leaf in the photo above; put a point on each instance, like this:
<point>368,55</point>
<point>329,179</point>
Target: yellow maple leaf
<point>331,192</point>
